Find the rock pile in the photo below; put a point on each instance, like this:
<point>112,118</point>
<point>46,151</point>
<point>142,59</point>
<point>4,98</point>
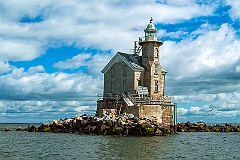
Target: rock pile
<point>126,124</point>
<point>202,127</point>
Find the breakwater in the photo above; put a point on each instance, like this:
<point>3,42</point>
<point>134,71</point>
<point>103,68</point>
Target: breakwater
<point>125,124</point>
<point>202,127</point>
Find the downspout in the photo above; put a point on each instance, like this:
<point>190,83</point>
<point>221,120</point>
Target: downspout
<point>175,117</point>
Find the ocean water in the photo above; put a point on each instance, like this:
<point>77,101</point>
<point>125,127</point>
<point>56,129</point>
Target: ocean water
<point>29,145</point>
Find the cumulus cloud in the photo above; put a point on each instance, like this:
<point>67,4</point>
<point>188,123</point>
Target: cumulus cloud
<point>234,11</point>
<point>182,111</point>
<point>47,96</point>
<point>97,63</point>
<point>93,63</point>
<point>238,68</point>
<point>203,55</point>
<point>206,64</point>
<point>19,50</point>
<point>203,68</point>
<point>73,63</point>
<point>62,24</point>
<point>42,111</point>
<point>42,86</point>
<point>36,69</point>
<point>204,72</point>
<point>4,67</point>
<point>219,106</point>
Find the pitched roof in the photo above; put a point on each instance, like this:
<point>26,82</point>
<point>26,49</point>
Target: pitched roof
<point>134,62</point>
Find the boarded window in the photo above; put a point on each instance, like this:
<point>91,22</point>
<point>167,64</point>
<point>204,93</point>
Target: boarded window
<point>123,85</point>
<point>112,72</point>
<point>156,85</point>
<point>124,71</point>
<point>112,87</point>
<point>139,82</point>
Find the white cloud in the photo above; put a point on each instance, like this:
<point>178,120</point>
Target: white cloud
<point>42,86</point>
<point>238,68</point>
<point>182,111</point>
<point>36,69</point>
<point>19,50</point>
<point>73,63</point>
<point>81,109</point>
<point>203,55</point>
<point>97,63</point>
<point>93,63</point>
<point>195,110</point>
<point>17,73</point>
<point>234,11</point>
<point>83,24</point>
<point>219,106</point>
<point>200,68</point>
<point>4,67</point>
<point>42,111</point>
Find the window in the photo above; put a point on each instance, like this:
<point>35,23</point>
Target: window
<point>112,72</point>
<point>156,68</point>
<point>123,86</point>
<point>157,53</point>
<point>156,85</point>
<point>139,82</point>
<point>124,71</point>
<point>112,87</point>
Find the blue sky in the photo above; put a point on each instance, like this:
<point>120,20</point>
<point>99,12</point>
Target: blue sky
<point>52,53</point>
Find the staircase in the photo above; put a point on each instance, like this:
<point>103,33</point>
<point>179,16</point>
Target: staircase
<point>128,99</point>
<point>118,108</point>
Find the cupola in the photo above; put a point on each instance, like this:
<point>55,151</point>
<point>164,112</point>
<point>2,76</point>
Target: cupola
<point>150,32</point>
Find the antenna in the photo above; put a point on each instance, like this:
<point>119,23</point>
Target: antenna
<point>137,47</point>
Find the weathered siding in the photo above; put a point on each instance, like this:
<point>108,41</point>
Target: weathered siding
<point>133,110</point>
<point>151,111</point>
<point>119,78</point>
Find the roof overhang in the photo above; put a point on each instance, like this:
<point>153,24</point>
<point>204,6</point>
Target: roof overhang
<point>119,58</point>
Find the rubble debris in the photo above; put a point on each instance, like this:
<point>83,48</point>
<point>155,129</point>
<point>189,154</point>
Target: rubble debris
<point>126,124</point>
<point>6,129</point>
<point>202,127</point>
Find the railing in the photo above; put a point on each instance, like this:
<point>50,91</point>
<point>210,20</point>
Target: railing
<point>100,97</point>
<point>135,98</point>
<point>128,99</point>
<point>113,96</point>
<point>168,98</point>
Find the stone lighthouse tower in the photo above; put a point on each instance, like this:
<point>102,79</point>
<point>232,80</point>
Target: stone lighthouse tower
<point>153,74</point>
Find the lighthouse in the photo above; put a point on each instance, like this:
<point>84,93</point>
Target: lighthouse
<point>134,82</point>
<point>153,74</point>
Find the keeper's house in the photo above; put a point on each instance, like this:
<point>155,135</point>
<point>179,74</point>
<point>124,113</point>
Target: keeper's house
<point>134,83</point>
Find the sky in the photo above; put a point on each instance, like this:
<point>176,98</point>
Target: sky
<point>52,53</point>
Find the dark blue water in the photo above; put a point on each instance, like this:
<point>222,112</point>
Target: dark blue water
<point>29,145</point>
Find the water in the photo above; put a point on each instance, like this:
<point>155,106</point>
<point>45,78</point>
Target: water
<point>29,145</point>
